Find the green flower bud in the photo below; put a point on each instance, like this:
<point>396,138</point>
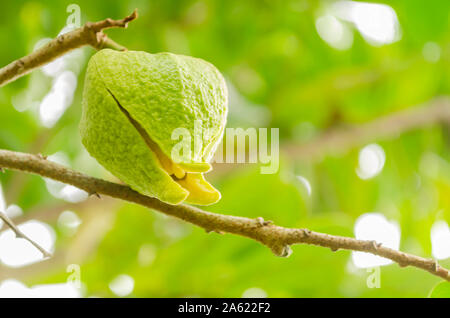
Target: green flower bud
<point>133,101</point>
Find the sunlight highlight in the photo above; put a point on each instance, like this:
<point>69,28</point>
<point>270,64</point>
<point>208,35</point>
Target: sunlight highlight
<point>334,32</point>
<point>2,203</point>
<point>377,23</point>
<point>254,292</point>
<point>440,240</point>
<point>11,211</point>
<point>146,255</point>
<point>68,222</point>
<point>375,226</point>
<point>58,99</point>
<point>17,252</point>
<point>370,161</point>
<point>122,285</point>
<point>12,288</point>
<point>63,72</point>
<point>305,184</point>
<point>431,52</point>
<point>60,190</point>
<point>54,67</point>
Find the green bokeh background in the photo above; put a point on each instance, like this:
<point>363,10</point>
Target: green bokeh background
<point>282,75</point>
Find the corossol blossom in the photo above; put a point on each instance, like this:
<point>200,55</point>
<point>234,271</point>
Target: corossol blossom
<point>132,122</point>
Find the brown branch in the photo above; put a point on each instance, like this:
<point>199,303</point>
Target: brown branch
<point>20,234</point>
<point>341,140</point>
<point>90,34</point>
<point>277,238</point>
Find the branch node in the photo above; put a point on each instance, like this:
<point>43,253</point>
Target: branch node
<point>41,156</point>
<point>20,64</point>
<point>95,194</point>
<point>101,38</point>
<point>88,25</point>
<point>435,266</point>
<point>375,245</point>
<point>261,222</point>
<point>207,230</point>
<point>281,250</point>
<point>46,254</point>
<point>131,17</point>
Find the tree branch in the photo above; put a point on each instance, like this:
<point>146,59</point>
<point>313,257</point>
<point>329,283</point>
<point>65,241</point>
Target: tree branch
<point>90,34</point>
<point>277,238</point>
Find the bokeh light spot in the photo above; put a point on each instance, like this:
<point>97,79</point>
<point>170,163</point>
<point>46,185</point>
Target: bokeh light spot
<point>122,285</point>
<point>254,292</point>
<point>334,32</point>
<point>440,240</point>
<point>370,161</point>
<point>17,252</point>
<point>375,226</point>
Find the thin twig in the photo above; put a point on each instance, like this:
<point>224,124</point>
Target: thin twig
<point>20,234</point>
<point>90,34</point>
<point>277,238</point>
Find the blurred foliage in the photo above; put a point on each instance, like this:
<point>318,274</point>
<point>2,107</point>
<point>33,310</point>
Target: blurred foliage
<point>441,290</point>
<point>282,75</point>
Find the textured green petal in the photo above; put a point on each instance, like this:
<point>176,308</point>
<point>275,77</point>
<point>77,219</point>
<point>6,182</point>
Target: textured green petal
<point>113,141</point>
<point>200,191</point>
<point>196,167</point>
<point>132,103</point>
<point>164,92</point>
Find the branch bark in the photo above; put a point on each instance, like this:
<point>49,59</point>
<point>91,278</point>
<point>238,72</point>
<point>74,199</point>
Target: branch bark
<point>90,34</point>
<point>277,238</point>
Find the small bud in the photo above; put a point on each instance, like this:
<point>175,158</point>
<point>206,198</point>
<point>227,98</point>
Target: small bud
<point>282,250</point>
